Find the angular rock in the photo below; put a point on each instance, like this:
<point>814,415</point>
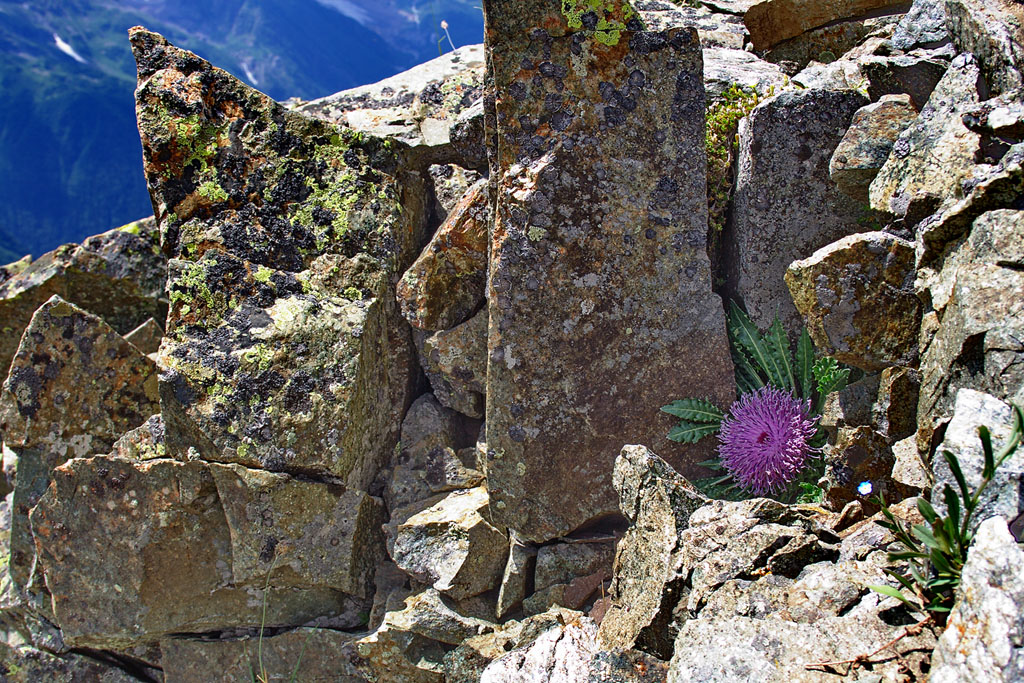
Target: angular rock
<point>716,30</point>
<point>455,362</point>
<point>146,337</point>
<point>15,268</point>
<point>982,639</point>
<point>857,298</point>
<point>916,74</point>
<point>724,68</point>
<point>118,275</point>
<point>519,572</point>
<point>895,411</point>
<point>149,551</point>
<point>867,143</point>
<point>599,272</point>
<point>75,386</point>
<point>563,562</point>
<point>468,137</point>
<point>825,43</point>
<point>445,285</point>
<point>648,576</point>
<point>145,442</point>
<point>851,406</point>
<point>284,350</point>
<point>1005,495</point>
<point>935,153</point>
<point>772,21</point>
<point>923,26</point>
<point>909,469</point>
<point>980,295</point>
<point>27,665</point>
<point>451,183</point>
<point>560,654</point>
<point>411,643</point>
<point>313,654</point>
<point>450,544</point>
<point>785,206</point>
<point>428,463</point>
<point>859,457</point>
<point>991,31</point>
<point>416,107</point>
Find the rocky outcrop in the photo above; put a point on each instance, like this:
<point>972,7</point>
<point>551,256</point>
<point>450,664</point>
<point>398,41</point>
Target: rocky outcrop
<point>598,268</point>
<point>772,21</point>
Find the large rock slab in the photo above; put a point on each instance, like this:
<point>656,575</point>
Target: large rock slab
<point>982,638</point>
<point>455,362</point>
<point>284,349</point>
<point>935,153</point>
<point>772,21</point>
<point>716,29</point>
<point>979,294</point>
<point>133,551</point>
<point>599,278</point>
<point>785,205</point>
<point>867,143</point>
<point>118,275</point>
<point>993,31</point>
<point>417,107</point>
<point>75,386</point>
<point>445,285</point>
<point>857,297</point>
<point>725,67</point>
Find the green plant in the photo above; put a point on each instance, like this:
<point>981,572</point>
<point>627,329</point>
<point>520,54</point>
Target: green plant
<point>937,550</point>
<point>262,676</point>
<point>723,118</point>
<point>762,360</point>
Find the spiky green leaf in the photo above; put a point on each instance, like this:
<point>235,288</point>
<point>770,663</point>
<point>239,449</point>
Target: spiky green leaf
<point>778,349</point>
<point>958,474</point>
<point>893,593</point>
<point>749,338</point>
<point>692,432</point>
<point>694,410</point>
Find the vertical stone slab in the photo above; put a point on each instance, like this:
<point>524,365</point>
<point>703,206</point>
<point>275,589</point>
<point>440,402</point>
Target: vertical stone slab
<point>600,299</point>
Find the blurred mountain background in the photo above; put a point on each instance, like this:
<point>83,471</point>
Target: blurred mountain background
<point>70,157</point>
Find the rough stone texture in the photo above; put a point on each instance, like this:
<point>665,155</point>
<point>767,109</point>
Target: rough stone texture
<point>519,572</point>
<point>118,275</point>
<point>982,640</point>
<point>772,21</point>
<point>284,350</point>
<point>826,43</point>
<point>851,405</point>
<point>468,137</point>
<point>909,469</point>
<point>726,67</point>
<point>445,285</point>
<point>563,562</point>
<point>133,551</point>
<point>146,337</point>
<point>411,643</point>
<point>924,26</point>
<point>935,153</point>
<point>455,362</point>
<point>648,571</point>
<point>428,462</point>
<point>15,268</point>
<point>75,386</point>
<point>842,74</point>
<point>979,294</point>
<point>716,30</point>
<point>916,74</point>
<point>417,107</point>
<point>451,182</point>
<point>28,665</point>
<point>785,206</point>
<point>860,454</point>
<point>448,542</point>
<point>599,278</point>
<point>560,654</point>
<point>867,143</point>
<point>314,654</point>
<point>992,30</point>
<point>1005,495</point>
<point>895,410</point>
<point>857,298</point>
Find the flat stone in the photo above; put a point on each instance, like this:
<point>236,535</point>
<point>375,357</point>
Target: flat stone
<point>25,664</point>
<point>75,387</point>
<point>445,286</point>
<point>133,551</point>
<point>563,562</point>
<point>916,74</point>
<point>417,107</point>
<point>724,68</point>
<point>519,571</point>
<point>826,43</point>
<point>311,653</point>
<point>146,337</point>
<point>895,411</point>
<point>867,143</point>
<point>923,26</point>
<point>287,234</point>
<point>562,653</point>
<point>451,545</point>
<point>599,272</point>
<point>982,638</point>
<point>118,275</point>
<point>785,205</point>
<point>936,152</point>
<point>772,21</point>
<point>1005,495</point>
<point>715,29</point>
<point>991,31</point>
<point>909,468</point>
<point>857,298</point>
<point>455,362</point>
<point>978,292</point>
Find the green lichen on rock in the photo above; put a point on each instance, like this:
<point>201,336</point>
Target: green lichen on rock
<point>612,17</point>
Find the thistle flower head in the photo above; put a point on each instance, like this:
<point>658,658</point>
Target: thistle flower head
<point>764,439</point>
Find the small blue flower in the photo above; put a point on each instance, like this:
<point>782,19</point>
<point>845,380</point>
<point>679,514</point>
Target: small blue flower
<point>865,488</point>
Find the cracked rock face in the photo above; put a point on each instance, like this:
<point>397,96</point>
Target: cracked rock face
<point>284,349</point>
<point>599,274</point>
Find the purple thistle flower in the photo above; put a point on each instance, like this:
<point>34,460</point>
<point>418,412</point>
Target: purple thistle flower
<point>763,441</point>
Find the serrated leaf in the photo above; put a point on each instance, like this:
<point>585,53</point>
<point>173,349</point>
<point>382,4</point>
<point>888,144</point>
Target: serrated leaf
<point>747,379</point>
<point>805,364</point>
<point>750,340</point>
<point>692,432</point>
<point>778,349</point>
<point>830,377</point>
<point>694,410</point>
